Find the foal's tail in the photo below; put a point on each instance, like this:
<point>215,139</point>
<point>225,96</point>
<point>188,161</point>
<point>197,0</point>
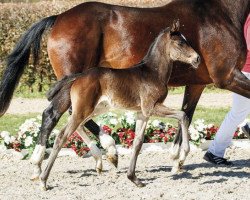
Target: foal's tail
<point>62,85</point>
<point>19,58</point>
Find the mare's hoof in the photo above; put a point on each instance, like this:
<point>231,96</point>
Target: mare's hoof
<point>113,159</point>
<point>175,170</point>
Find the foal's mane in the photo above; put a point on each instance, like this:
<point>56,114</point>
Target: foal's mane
<point>152,47</point>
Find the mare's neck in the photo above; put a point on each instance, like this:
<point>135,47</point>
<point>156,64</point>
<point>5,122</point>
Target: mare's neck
<point>158,60</point>
<point>238,10</point>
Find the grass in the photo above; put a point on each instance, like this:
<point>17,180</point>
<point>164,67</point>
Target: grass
<point>11,123</point>
<point>209,89</point>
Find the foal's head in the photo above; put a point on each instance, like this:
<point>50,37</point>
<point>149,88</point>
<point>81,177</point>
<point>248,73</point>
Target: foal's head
<point>178,47</point>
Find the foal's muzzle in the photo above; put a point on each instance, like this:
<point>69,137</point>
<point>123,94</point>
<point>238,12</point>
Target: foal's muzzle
<point>196,62</point>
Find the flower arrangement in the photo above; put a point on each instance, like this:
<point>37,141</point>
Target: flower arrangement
<point>122,129</point>
<point>76,143</point>
<point>27,135</point>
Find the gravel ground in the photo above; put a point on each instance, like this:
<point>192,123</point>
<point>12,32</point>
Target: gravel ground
<point>23,106</point>
<point>75,178</point>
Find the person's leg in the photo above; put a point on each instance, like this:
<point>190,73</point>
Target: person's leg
<point>239,111</point>
<point>246,129</point>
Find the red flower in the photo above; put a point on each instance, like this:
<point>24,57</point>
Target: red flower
<point>107,129</point>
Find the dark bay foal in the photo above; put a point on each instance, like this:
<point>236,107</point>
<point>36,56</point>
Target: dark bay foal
<point>141,88</point>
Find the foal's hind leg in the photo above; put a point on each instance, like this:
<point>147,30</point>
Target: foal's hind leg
<point>60,141</point>
<point>178,155</point>
<point>95,151</point>
<point>50,117</point>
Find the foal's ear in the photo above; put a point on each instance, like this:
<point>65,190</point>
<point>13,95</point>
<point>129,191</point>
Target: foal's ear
<point>175,26</point>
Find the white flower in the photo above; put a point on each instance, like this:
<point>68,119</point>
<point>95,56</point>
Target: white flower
<point>210,125</point>
<point>156,123</point>
<point>129,114</point>
<point>7,139</point>
<point>203,140</point>
<point>110,114</point>
<point>28,141</point>
<point>113,121</point>
<point>4,134</point>
<point>201,127</point>
<point>12,139</point>
<point>130,121</point>
<point>194,133</point>
<point>130,118</point>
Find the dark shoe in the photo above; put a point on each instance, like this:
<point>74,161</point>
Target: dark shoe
<point>209,157</point>
<point>246,130</point>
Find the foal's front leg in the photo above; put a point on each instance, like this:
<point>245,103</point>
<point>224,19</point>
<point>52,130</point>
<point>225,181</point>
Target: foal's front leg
<point>178,155</point>
<point>59,142</point>
<point>141,124</point>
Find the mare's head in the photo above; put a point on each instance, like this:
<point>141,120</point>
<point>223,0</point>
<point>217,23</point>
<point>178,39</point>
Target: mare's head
<point>178,47</point>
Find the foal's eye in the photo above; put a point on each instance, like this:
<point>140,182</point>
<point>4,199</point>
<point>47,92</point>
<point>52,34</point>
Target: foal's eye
<point>181,43</point>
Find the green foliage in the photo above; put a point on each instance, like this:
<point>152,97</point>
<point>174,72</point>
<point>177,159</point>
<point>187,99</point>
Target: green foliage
<point>15,19</point>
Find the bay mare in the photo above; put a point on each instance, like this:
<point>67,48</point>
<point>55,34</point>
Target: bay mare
<point>96,34</point>
<point>141,88</point>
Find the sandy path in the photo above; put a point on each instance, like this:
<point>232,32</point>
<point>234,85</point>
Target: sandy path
<point>22,106</point>
<point>74,178</point>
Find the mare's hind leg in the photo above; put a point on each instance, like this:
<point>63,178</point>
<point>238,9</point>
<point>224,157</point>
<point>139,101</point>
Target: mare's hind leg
<point>178,155</point>
<point>140,128</point>
<point>191,98</point>
<point>50,117</point>
<point>95,151</point>
<point>59,142</point>
<point>239,83</point>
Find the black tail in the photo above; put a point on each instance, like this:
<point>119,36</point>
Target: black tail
<point>19,58</point>
<point>65,83</point>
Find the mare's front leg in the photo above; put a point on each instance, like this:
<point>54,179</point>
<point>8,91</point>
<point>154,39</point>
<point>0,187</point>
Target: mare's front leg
<point>141,123</point>
<point>190,100</point>
<point>50,117</point>
<point>95,151</point>
<point>178,154</point>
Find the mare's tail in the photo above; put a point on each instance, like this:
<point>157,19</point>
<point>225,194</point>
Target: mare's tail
<point>19,58</point>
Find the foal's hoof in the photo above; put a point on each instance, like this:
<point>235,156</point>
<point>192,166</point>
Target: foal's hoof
<point>43,186</point>
<point>140,184</point>
<point>113,159</point>
<point>34,177</point>
<point>99,171</point>
<point>136,181</point>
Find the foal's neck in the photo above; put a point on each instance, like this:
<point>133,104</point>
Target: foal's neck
<point>158,60</point>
